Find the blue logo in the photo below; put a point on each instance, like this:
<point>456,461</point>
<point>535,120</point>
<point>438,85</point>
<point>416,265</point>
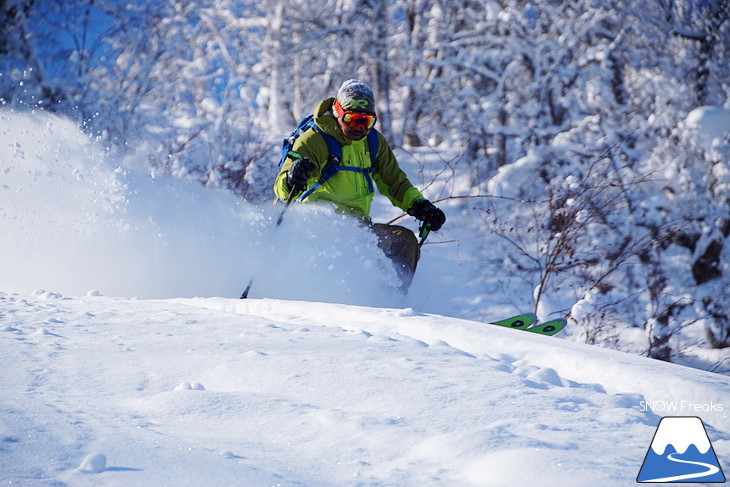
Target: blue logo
<point>681,452</point>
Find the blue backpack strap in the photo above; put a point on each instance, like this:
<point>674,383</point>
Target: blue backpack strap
<point>373,146</point>
<point>288,144</point>
<point>366,171</point>
<point>333,146</point>
<point>332,167</point>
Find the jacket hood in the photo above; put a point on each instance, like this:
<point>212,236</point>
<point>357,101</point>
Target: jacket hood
<point>324,117</point>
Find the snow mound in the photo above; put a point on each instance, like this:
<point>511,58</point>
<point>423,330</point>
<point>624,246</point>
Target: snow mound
<point>94,463</point>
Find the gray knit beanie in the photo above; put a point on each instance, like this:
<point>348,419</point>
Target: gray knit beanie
<point>356,95</point>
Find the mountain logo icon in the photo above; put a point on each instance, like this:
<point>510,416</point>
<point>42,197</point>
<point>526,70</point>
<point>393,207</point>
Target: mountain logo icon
<point>681,452</point>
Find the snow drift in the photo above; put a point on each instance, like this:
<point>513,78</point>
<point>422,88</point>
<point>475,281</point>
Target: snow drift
<point>75,219</point>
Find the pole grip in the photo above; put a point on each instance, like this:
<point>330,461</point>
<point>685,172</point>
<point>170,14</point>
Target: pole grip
<point>423,232</point>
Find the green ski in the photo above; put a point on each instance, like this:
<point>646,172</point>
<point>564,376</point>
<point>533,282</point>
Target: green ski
<point>525,322</point>
<point>549,328</point>
<point>520,322</point>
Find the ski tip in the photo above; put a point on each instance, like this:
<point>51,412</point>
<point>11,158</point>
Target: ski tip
<point>549,328</point>
<point>519,322</point>
<point>529,317</point>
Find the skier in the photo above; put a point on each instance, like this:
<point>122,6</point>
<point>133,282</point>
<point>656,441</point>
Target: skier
<point>347,181</point>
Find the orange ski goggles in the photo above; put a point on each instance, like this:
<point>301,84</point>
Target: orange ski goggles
<point>355,119</point>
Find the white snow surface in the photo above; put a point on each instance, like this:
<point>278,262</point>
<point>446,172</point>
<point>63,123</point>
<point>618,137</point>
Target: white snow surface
<point>261,392</point>
<point>115,373</point>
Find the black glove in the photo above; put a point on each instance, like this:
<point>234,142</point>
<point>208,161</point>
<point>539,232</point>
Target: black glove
<point>299,172</point>
<point>425,211</point>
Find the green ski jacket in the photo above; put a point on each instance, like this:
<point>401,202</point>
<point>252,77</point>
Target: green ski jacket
<point>348,190</point>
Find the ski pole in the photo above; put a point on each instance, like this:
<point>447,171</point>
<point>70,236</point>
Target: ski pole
<point>244,295</point>
<point>423,232</point>
<point>286,207</point>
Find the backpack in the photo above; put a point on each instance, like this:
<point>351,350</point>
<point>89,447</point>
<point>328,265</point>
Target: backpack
<point>332,167</point>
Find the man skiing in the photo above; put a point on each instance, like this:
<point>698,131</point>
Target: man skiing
<point>347,181</point>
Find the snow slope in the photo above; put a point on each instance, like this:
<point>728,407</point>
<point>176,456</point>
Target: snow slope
<point>215,391</point>
<point>104,385</point>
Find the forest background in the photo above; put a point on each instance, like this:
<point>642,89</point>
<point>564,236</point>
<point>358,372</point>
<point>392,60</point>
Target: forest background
<point>588,142</point>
